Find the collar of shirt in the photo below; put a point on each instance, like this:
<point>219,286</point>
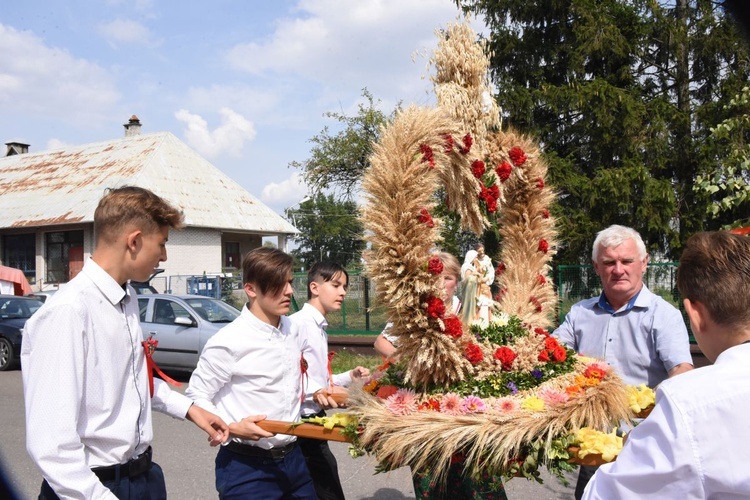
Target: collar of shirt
<point>633,302</point>
<point>262,326</point>
<point>110,288</point>
<point>320,320</point>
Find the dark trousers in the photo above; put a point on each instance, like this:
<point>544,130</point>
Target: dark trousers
<point>585,474</point>
<point>241,477</point>
<point>323,468</point>
<point>146,486</point>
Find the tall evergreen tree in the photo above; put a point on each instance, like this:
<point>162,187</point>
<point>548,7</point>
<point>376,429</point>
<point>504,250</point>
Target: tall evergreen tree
<point>622,95</point>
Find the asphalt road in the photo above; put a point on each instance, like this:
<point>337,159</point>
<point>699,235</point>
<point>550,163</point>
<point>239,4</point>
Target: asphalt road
<point>181,449</point>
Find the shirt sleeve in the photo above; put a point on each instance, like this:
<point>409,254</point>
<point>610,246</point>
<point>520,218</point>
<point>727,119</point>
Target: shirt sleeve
<point>213,372</point>
<point>670,336</point>
<point>658,460</point>
<point>53,354</point>
<point>565,333</point>
<point>343,379</point>
<point>169,402</point>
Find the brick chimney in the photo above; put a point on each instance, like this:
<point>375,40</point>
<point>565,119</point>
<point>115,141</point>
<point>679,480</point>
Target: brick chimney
<point>133,127</point>
<point>16,148</point>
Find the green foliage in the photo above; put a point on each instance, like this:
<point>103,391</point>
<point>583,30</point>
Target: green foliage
<point>329,230</point>
<point>622,94</point>
<point>337,161</point>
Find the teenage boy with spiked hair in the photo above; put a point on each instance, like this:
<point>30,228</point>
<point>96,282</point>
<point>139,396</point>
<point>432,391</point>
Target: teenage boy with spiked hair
<point>694,444</point>
<point>253,368</point>
<point>85,374</point>
<point>327,283</point>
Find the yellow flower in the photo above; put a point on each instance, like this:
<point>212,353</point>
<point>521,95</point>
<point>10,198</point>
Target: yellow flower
<point>640,397</point>
<point>593,442</point>
<point>532,403</point>
<point>337,419</point>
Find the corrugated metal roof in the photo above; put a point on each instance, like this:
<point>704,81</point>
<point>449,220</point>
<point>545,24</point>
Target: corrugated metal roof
<point>64,186</point>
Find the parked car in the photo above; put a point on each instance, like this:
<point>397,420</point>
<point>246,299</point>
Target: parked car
<point>42,296</point>
<point>182,324</point>
<point>14,311</point>
<point>145,287</point>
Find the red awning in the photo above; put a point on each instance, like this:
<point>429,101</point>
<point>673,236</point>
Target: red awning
<point>20,283</point>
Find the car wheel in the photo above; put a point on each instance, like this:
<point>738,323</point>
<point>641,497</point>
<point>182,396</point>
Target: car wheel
<point>6,354</point>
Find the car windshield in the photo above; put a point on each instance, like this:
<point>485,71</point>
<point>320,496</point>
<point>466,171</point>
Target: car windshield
<point>213,310</point>
<point>12,308</point>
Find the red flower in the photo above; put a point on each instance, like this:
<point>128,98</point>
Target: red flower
<point>490,196</point>
<point>559,354</point>
<point>426,218</point>
<point>474,354</point>
<point>427,155</point>
<point>537,304</point>
<point>506,356</point>
<point>468,141</point>
<point>544,356</point>
<point>478,168</point>
<point>594,372</point>
<point>435,307</point>
<point>543,246</point>
<point>541,331</point>
<point>517,156</point>
<point>541,279</point>
<point>503,171</point>
<point>545,213</point>
<point>550,343</point>
<point>540,183</point>
<point>434,265</point>
<point>431,404</point>
<point>448,143</point>
<point>386,391</point>
<point>500,268</point>
<point>453,327</point>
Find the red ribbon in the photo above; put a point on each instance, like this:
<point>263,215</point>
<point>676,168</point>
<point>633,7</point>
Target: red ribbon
<point>149,346</point>
<point>330,370</point>
<point>303,376</point>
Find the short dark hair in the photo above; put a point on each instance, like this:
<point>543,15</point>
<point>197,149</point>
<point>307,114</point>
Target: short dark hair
<point>324,270</point>
<point>267,268</point>
<point>133,206</point>
<point>715,271</point>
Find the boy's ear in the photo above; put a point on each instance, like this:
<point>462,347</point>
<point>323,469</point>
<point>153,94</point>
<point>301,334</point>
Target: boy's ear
<point>250,290</point>
<point>697,314</point>
<point>314,288</point>
<point>133,240</point>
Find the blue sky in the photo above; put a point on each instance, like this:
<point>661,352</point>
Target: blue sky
<point>245,83</point>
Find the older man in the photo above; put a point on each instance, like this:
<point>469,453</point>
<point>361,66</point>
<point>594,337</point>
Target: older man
<point>637,332</point>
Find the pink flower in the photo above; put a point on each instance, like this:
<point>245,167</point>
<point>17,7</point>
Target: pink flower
<point>505,405</point>
<point>552,397</point>
<point>473,404</point>
<point>403,402</point>
<point>451,404</point>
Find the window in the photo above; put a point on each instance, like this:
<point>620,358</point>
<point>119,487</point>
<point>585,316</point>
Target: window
<point>64,255</point>
<point>232,254</point>
<point>19,251</point>
<point>142,308</point>
<point>165,312</point>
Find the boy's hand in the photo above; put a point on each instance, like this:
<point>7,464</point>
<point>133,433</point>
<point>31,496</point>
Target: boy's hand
<point>248,429</point>
<point>331,397</point>
<point>360,372</point>
<point>214,426</point>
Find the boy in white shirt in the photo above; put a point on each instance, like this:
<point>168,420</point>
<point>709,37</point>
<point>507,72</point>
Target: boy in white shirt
<point>327,283</point>
<point>253,368</point>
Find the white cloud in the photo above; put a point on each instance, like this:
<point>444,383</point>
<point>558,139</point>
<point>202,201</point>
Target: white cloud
<point>40,80</point>
<point>125,32</point>
<point>285,193</point>
<point>55,144</point>
<point>229,138</point>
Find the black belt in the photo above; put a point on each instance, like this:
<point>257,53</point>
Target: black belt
<point>134,467</point>
<point>256,452</point>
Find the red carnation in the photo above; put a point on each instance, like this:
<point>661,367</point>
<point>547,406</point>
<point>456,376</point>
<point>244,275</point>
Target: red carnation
<point>550,343</point>
<point>517,156</point>
<point>435,307</point>
<point>503,171</point>
<point>537,303</point>
<point>545,213</point>
<point>540,183</point>
<point>506,356</point>
<point>500,268</point>
<point>453,327</point>
<point>543,356</point>
<point>448,143</point>
<point>478,168</point>
<point>426,218</point>
<point>541,331</point>
<point>431,404</point>
<point>427,155</point>
<point>543,246</point>
<point>434,265</point>
<point>474,354</point>
<point>559,354</point>
<point>468,140</point>
<point>541,279</point>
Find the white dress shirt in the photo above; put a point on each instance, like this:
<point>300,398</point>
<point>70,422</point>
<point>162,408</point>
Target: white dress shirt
<point>86,384</point>
<point>310,325</point>
<point>694,444</point>
<point>251,368</point>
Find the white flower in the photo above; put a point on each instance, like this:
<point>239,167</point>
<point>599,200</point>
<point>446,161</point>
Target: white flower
<point>480,322</point>
<point>500,319</point>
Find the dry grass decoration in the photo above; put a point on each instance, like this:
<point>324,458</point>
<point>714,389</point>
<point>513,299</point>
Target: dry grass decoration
<point>504,395</point>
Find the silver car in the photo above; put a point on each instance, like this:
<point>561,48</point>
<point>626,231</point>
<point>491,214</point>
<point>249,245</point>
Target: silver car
<point>182,324</point>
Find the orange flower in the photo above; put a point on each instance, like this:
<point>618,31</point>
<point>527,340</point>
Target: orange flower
<point>572,390</point>
<point>386,391</point>
<point>595,371</point>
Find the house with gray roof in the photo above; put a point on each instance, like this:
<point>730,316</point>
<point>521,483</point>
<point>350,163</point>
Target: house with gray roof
<point>47,203</point>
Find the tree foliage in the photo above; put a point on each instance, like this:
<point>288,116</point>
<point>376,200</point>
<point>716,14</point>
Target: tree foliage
<point>337,161</point>
<point>329,230</point>
<point>622,94</point>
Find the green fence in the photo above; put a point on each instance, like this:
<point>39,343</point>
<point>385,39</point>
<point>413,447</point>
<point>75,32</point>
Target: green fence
<point>575,283</point>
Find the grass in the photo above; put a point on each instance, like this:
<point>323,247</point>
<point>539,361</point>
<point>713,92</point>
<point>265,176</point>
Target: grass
<point>345,360</point>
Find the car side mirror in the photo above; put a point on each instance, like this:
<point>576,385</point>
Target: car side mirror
<point>184,321</point>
